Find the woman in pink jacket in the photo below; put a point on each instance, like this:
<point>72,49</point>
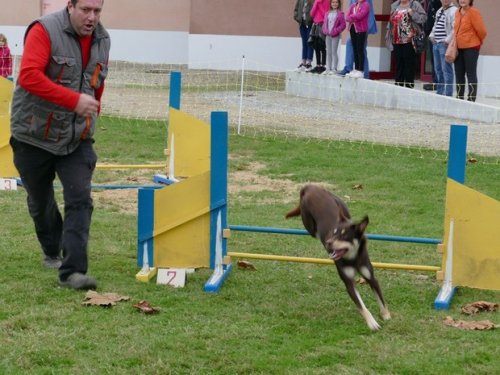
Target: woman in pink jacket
<point>318,11</point>
<point>357,17</point>
<point>333,25</point>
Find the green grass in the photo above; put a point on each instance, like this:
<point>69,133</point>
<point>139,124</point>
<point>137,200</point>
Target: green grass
<point>282,319</point>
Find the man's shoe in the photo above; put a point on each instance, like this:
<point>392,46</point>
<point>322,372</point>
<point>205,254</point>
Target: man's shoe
<point>78,280</point>
<point>52,262</point>
<point>430,87</point>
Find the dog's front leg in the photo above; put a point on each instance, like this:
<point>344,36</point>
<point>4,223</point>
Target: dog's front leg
<point>369,276</point>
<point>384,311</point>
<point>347,275</point>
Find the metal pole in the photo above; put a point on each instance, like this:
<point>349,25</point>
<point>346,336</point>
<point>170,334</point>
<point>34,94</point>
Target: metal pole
<point>241,91</point>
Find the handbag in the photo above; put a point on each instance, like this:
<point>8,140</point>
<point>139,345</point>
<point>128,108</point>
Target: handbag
<point>418,42</point>
<point>452,51</point>
<point>312,33</point>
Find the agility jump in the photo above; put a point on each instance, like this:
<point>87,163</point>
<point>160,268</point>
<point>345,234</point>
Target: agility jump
<point>215,247</point>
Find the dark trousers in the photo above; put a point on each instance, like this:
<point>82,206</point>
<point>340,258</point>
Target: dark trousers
<point>405,56</point>
<point>320,50</point>
<point>358,41</point>
<point>37,169</point>
<point>466,65</point>
<point>307,51</point>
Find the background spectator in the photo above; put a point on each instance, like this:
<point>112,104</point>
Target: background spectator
<point>358,28</point>
<point>403,25</point>
<point>440,36</point>
<point>5,58</point>
<point>302,14</point>
<point>318,11</point>
<point>349,55</point>
<point>333,25</point>
<point>470,34</point>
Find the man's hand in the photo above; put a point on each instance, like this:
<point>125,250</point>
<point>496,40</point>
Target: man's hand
<point>87,105</point>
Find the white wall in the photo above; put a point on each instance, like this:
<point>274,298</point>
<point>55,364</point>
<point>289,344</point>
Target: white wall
<point>153,47</point>
<point>262,53</point>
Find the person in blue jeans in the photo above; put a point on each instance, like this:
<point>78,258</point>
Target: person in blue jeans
<point>301,14</point>
<point>349,54</point>
<point>440,36</point>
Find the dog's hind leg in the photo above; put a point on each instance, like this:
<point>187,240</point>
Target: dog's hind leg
<point>347,275</point>
<point>293,212</point>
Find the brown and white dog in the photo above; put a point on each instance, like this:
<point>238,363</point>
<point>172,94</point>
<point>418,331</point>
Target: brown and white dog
<point>326,217</point>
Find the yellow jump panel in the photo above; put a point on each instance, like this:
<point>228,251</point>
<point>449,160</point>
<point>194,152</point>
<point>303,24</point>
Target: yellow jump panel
<point>476,240</point>
<point>182,224</point>
<point>191,144</point>
<point>7,168</point>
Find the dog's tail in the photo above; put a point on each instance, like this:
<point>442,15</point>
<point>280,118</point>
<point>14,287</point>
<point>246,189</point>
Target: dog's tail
<point>292,213</point>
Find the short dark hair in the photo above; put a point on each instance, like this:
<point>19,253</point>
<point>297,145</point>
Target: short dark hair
<point>74,2</point>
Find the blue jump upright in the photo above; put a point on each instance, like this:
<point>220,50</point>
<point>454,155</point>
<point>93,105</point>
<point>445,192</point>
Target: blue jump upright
<point>218,200</point>
<point>456,171</point>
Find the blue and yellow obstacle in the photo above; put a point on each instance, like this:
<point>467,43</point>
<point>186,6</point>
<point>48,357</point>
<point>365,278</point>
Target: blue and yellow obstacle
<point>183,210</point>
<point>471,256</point>
<point>7,168</point>
<point>180,226</point>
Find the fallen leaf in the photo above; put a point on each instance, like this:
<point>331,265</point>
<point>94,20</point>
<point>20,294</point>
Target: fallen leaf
<point>244,265</point>
<point>475,307</point>
<point>357,187</point>
<point>146,308</point>
<point>132,179</point>
<point>361,280</point>
<point>480,325</point>
<point>92,298</point>
<point>472,160</point>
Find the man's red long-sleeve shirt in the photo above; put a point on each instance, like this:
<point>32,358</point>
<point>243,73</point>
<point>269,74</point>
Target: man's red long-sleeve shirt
<point>35,60</point>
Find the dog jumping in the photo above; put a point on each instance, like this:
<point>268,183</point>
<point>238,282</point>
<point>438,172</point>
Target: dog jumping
<point>326,217</point>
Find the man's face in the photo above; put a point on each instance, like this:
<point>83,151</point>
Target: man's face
<point>85,15</point>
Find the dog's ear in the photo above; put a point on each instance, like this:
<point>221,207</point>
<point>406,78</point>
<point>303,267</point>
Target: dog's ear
<point>361,226</point>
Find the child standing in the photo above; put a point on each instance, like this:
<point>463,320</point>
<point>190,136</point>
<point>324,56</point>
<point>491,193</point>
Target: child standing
<point>5,58</point>
<point>318,11</point>
<point>358,27</point>
<point>333,25</point>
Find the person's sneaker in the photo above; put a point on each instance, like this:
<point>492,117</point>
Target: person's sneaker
<point>310,68</point>
<point>355,74</point>
<point>78,280</point>
<point>301,67</point>
<point>342,72</point>
<point>321,69</point>
<point>429,87</point>
<point>52,262</point>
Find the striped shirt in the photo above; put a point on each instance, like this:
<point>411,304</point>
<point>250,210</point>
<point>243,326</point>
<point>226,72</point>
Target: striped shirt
<point>440,27</point>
